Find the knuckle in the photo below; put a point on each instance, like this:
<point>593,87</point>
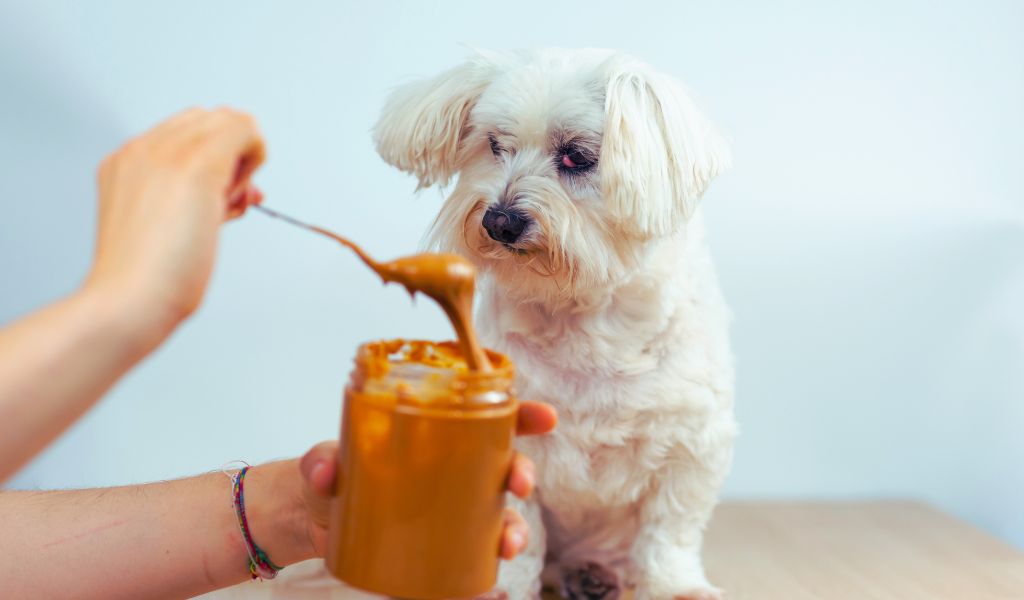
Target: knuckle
<point>189,113</point>
<point>247,118</point>
<point>239,118</point>
<point>135,149</point>
<point>105,167</point>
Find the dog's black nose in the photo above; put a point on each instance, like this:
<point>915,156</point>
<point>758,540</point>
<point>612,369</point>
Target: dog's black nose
<point>504,225</point>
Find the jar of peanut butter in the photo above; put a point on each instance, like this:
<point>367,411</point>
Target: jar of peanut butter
<point>426,446</point>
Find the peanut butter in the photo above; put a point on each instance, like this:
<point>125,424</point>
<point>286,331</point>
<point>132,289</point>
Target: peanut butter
<point>426,444</point>
<point>447,278</point>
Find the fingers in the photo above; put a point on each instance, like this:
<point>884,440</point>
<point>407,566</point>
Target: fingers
<point>223,142</point>
<point>176,123</point>
<point>521,477</point>
<point>237,139</point>
<point>246,143</point>
<point>514,535</point>
<point>243,198</point>
<point>535,417</point>
<point>318,467</point>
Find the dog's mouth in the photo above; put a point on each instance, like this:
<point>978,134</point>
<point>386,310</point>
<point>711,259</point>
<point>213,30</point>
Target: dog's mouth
<point>514,249</point>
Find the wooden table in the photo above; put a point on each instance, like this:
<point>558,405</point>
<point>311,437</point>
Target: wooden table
<point>811,551</point>
<point>862,551</point>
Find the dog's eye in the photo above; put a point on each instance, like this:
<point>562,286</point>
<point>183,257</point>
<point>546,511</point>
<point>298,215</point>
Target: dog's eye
<point>572,159</point>
<point>495,147</point>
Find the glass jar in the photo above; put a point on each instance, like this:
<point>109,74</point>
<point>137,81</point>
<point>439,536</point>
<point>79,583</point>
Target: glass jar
<point>426,447</point>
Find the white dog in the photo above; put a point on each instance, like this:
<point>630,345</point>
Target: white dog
<point>579,174</point>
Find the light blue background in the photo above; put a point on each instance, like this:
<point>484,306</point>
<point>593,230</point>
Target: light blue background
<point>870,236</point>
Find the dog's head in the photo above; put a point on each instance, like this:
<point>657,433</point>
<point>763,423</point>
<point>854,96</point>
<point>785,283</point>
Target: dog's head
<point>570,163</point>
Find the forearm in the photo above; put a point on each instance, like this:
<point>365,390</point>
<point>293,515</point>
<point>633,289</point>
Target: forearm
<point>55,364</point>
<point>172,539</point>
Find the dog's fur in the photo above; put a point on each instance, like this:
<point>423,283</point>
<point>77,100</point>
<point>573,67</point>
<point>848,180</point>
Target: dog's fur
<point>608,302</point>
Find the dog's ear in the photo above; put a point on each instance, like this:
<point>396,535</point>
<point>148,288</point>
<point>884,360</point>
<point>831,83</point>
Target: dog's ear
<point>423,122</point>
<point>659,151</point>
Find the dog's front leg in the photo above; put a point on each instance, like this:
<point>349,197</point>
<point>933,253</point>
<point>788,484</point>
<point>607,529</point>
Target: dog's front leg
<point>666,551</point>
<point>519,578</point>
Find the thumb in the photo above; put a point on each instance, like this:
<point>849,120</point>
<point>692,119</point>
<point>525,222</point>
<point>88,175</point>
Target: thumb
<point>318,468</point>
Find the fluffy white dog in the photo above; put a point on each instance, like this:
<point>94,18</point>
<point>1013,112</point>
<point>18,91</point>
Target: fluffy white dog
<point>579,174</point>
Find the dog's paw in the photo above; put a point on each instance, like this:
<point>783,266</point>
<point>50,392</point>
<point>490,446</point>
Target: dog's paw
<point>590,582</point>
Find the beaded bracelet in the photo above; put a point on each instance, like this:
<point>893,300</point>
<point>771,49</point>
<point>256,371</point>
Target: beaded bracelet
<point>260,565</point>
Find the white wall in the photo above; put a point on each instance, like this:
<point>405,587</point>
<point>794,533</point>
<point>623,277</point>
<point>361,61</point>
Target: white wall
<point>869,237</point>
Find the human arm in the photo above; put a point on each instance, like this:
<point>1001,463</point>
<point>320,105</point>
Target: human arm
<point>173,539</point>
<point>162,199</point>
<point>180,538</point>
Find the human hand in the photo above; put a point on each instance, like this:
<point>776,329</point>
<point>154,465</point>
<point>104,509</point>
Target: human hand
<point>162,198</point>
<point>318,468</point>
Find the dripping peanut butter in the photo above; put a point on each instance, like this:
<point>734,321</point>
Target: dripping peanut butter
<point>447,278</point>
<point>426,444</point>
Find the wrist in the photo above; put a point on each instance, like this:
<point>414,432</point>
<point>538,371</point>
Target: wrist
<point>127,315</point>
<point>277,517</point>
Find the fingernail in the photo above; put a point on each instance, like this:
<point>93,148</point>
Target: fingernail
<point>516,539</point>
<point>316,470</point>
<point>529,477</point>
<point>236,197</point>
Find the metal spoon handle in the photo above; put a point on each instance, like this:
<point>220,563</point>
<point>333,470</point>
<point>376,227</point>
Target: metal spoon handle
<point>325,232</point>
